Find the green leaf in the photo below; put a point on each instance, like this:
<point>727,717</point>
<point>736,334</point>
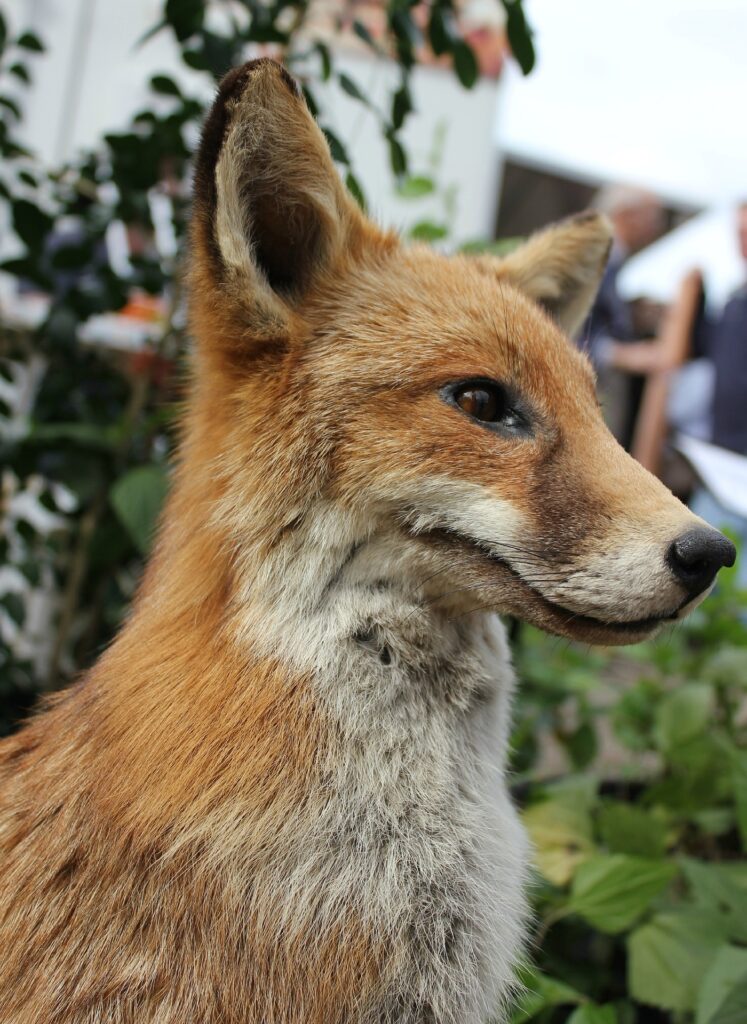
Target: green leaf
<point>712,888</point>
<point>14,606</point>
<point>339,153</point>
<point>733,1010</point>
<point>137,498</point>
<point>415,186</point>
<point>739,778</point>
<point>541,992</point>
<point>465,63</point>
<point>30,41</point>
<point>3,32</point>
<point>611,891</point>
<point>165,85</point>
<point>351,88</point>
<point>727,972</point>
<point>185,17</point>
<point>561,832</point>
<point>20,71</point>
<point>362,32</point>
<point>441,34</point>
<point>31,224</point>
<point>625,828</point>
<point>683,715</point>
<point>356,190</point>
<point>593,1013</point>
<point>427,231</point>
<point>519,35</point>
<point>397,155</point>
<point>669,956</point>
<point>401,106</point>
<point>323,50</point>
<point>726,667</point>
<point>10,105</point>
<point>85,435</point>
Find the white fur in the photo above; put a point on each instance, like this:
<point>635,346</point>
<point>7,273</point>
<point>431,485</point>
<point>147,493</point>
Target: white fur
<point>416,829</point>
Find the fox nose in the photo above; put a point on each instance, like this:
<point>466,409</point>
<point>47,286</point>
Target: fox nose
<point>697,556</point>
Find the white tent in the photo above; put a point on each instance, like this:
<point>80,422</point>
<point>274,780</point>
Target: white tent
<point>650,92</point>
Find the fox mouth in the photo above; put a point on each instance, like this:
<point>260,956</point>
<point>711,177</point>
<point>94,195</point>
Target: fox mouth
<point>579,620</point>
<point>529,603</point>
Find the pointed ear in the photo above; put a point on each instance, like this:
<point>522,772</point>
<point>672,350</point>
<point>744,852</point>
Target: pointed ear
<point>562,266</point>
<point>270,211</point>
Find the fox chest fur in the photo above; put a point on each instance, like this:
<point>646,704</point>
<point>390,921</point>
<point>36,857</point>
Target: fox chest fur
<point>367,867</point>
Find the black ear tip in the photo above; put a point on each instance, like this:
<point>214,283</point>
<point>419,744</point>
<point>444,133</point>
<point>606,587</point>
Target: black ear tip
<point>216,123</point>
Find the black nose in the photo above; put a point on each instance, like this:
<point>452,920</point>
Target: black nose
<point>697,556</point>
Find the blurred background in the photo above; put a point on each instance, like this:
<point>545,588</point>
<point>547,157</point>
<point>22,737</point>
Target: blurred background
<point>466,124</point>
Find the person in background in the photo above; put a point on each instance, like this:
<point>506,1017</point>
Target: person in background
<point>721,342</point>
<point>610,336</point>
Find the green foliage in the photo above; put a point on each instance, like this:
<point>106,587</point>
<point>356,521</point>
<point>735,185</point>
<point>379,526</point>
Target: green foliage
<point>642,904</point>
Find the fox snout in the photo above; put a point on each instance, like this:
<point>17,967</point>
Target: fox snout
<point>696,557</point>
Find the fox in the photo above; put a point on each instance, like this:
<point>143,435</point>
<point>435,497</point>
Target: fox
<point>281,794</point>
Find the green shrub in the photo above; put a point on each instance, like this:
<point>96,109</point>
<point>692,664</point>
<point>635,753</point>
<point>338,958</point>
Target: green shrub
<point>641,893</point>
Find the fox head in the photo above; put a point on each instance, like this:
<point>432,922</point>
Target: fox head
<point>352,390</point>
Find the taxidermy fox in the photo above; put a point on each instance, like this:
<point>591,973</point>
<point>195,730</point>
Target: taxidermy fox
<point>279,798</point>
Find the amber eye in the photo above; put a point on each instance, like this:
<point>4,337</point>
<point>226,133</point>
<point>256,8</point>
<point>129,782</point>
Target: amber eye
<point>491,404</point>
<point>482,403</point>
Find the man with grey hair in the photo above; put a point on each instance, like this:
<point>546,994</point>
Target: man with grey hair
<point>637,219</point>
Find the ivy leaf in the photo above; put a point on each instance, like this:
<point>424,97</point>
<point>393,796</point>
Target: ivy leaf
<point>465,63</point>
<point>137,498</point>
<point>519,35</point>
<point>611,891</point>
<point>727,974</point>
<point>30,41</point>
<point>669,956</point>
<point>165,85</point>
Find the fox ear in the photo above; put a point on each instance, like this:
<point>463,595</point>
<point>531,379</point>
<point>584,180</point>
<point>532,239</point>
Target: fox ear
<point>270,211</point>
<point>562,266</point>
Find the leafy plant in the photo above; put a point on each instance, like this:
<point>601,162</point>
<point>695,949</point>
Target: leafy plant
<point>641,897</point>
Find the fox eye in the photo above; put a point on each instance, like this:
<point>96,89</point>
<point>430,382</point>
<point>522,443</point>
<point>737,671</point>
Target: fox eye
<point>487,402</point>
<point>481,403</point>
